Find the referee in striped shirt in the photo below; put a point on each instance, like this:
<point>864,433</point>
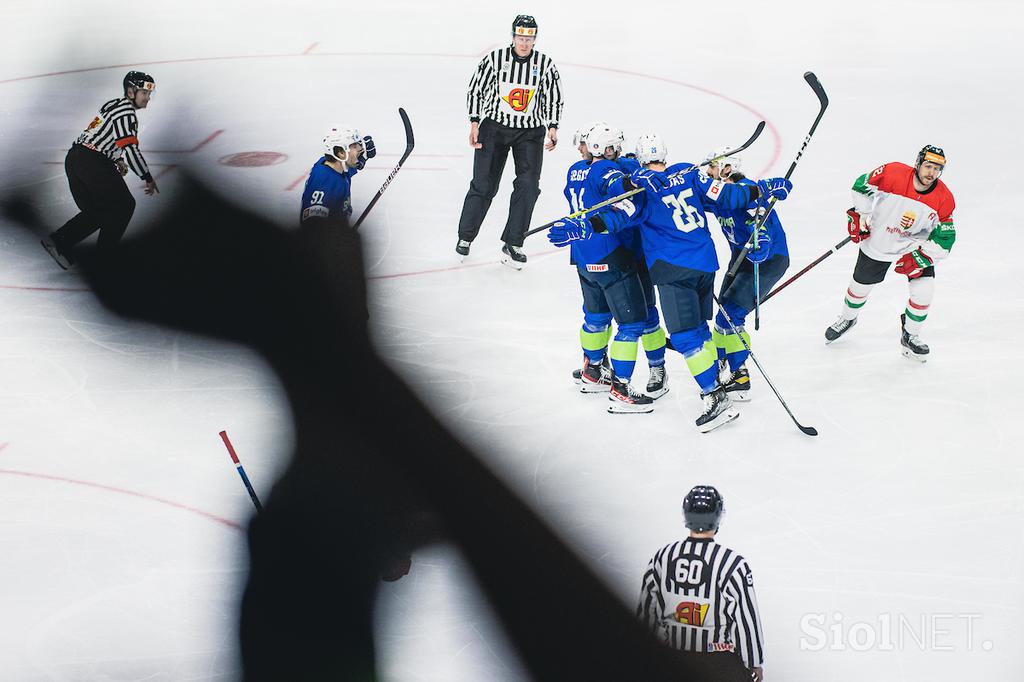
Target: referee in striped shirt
<point>515,103</point>
<point>698,596</point>
<point>95,166</point>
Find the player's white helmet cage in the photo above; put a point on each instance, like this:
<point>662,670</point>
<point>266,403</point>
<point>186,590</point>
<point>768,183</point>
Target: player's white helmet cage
<point>580,136</point>
<point>650,148</point>
<point>602,136</point>
<point>342,136</point>
<point>724,159</point>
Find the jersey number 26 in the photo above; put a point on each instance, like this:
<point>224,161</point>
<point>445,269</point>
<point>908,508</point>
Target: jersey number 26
<point>686,217</point>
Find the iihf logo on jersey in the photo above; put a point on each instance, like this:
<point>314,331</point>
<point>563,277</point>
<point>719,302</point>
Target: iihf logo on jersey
<point>518,98</point>
<point>908,219</point>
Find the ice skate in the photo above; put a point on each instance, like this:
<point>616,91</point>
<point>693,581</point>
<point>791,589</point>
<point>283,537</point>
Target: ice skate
<point>718,410</point>
<point>912,346</point>
<point>838,328</point>
<point>63,261</point>
<point>737,387</point>
<point>624,399</point>
<point>462,248</point>
<point>594,378</point>
<point>513,256</point>
<point>657,383</point>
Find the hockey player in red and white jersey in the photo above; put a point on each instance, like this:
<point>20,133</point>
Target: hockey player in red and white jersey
<point>902,215</point>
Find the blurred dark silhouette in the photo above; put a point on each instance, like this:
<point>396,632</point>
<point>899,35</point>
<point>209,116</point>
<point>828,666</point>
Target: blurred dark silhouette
<point>373,475</point>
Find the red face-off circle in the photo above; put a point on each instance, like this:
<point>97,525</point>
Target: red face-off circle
<point>252,159</point>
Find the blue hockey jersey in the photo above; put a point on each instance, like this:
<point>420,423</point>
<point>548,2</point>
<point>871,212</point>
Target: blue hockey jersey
<point>328,193</point>
<point>674,221</point>
<point>737,225</point>
<point>591,183</point>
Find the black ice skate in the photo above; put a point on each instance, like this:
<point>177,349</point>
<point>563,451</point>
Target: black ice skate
<point>513,256</point>
<point>912,346</point>
<point>462,248</point>
<point>738,385</point>
<point>718,410</point>
<point>838,328</point>
<point>594,378</point>
<point>64,261</point>
<point>657,383</point>
<point>624,399</point>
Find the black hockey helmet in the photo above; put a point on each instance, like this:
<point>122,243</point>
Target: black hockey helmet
<point>931,153</point>
<point>524,25</point>
<point>702,508</point>
<point>139,80</point>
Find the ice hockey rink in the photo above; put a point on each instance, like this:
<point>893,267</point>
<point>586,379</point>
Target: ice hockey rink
<point>888,548</point>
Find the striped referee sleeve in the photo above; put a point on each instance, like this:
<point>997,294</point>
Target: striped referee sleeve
<point>748,635</point>
<point>551,91</point>
<point>651,605</point>
<point>127,141</point>
<point>481,88</point>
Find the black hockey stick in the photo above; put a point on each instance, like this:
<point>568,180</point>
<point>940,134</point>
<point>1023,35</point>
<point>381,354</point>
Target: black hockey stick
<point>802,272</point>
<point>608,202</point>
<point>812,80</point>
<point>808,430</point>
<point>409,144</point>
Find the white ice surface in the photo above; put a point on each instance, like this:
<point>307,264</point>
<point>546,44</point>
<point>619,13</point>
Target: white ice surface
<point>118,557</point>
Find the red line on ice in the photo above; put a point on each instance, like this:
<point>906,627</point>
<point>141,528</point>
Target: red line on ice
<point>124,491</point>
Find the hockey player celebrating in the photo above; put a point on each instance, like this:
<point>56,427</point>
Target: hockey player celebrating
<point>680,254</point>
<point>699,596</point>
<point>769,253</point>
<point>902,215</point>
<point>328,191</point>
<point>610,282</point>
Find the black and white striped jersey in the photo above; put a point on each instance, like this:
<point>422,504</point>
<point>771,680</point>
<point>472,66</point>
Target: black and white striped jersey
<point>516,92</point>
<point>699,596</point>
<point>115,132</point>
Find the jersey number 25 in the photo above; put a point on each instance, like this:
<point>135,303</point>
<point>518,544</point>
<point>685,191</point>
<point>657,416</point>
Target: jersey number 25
<point>686,217</point>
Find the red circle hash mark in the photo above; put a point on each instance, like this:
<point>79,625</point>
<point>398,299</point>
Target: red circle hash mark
<point>252,159</point>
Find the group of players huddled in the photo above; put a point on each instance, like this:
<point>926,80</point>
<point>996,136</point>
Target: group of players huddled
<point>659,237</point>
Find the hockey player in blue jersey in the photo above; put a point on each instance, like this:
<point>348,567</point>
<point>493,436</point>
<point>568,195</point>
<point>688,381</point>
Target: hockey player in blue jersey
<point>770,254</point>
<point>328,191</point>
<point>680,254</point>
<point>610,283</point>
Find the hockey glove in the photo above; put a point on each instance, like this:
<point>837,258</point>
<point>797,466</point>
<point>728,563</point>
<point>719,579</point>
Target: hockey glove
<point>369,151</point>
<point>761,248</point>
<point>858,225</point>
<point>913,264</point>
<point>774,188</point>
<point>652,181</point>
<point>569,230</point>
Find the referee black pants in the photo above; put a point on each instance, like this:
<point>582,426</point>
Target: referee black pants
<point>527,145</point>
<point>101,194</point>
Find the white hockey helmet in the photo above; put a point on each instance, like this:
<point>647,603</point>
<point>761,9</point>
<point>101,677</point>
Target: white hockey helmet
<point>650,148</point>
<point>580,136</point>
<point>342,136</point>
<point>601,137</point>
<point>722,158</point>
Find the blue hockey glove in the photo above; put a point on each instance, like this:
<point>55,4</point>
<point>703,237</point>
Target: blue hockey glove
<point>569,230</point>
<point>369,151</point>
<point>649,180</point>
<point>761,248</point>
<point>775,188</point>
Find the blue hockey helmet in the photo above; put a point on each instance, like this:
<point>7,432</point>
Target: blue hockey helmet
<point>703,507</point>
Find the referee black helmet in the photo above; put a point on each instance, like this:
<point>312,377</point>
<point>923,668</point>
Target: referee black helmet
<point>702,508</point>
<point>139,81</point>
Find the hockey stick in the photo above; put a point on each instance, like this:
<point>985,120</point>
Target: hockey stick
<point>812,80</point>
<point>802,272</point>
<point>409,144</point>
<point>807,430</point>
<point>613,200</point>
<point>241,471</point>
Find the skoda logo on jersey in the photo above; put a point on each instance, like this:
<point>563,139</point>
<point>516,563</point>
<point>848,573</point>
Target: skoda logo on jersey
<point>908,219</point>
<point>519,98</point>
<point>535,71</point>
<point>691,613</point>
